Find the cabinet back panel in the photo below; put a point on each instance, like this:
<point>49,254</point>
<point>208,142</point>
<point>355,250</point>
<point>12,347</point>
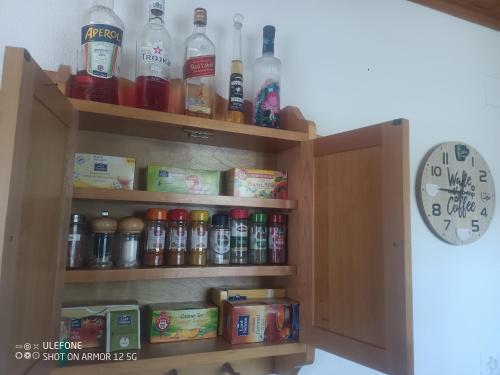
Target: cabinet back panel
<point>348,259</point>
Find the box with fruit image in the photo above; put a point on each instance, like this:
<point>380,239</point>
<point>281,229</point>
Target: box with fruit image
<point>261,320</point>
<point>256,183</point>
<point>171,322</point>
<point>183,181</point>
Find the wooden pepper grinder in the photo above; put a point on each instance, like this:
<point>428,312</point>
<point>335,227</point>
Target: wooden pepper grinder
<point>103,232</point>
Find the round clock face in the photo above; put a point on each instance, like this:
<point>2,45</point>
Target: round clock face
<point>457,193</point>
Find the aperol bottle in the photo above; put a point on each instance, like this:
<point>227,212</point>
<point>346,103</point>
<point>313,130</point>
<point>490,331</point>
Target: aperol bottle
<point>99,54</point>
<point>152,83</point>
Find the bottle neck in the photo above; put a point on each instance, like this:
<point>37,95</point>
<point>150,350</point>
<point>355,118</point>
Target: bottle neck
<point>156,19</point>
<point>105,3</point>
<point>268,47</point>
<point>237,44</point>
<point>199,28</point>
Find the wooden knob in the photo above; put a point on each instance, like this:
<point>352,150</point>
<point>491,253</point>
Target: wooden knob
<point>104,225</point>
<point>131,225</point>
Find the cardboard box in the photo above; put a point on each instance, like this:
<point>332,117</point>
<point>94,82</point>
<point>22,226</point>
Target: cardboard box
<point>100,171</point>
<point>171,322</point>
<point>269,320</point>
<point>123,330</point>
<point>219,295</point>
<point>256,183</point>
<point>181,180</point>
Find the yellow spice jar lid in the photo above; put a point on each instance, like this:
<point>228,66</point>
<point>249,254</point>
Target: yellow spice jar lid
<point>131,225</point>
<point>199,215</point>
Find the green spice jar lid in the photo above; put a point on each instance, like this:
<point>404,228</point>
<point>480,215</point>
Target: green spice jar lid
<point>258,217</point>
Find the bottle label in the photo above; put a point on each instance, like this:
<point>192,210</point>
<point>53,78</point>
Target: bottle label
<point>267,105</point>
<point>239,235</point>
<point>201,66</point>
<point>177,238</point>
<point>155,61</point>
<point>277,238</point>
<point>199,238</point>
<point>236,92</point>
<point>258,238</point>
<point>73,237</point>
<point>220,240</point>
<point>101,48</point>
<point>156,238</point>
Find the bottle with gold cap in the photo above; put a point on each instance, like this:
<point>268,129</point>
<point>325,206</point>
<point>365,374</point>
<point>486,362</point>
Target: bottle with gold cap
<point>198,238</point>
<point>130,229</point>
<point>103,231</point>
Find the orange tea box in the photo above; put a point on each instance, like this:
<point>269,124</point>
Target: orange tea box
<point>172,322</point>
<point>256,183</point>
<point>270,320</point>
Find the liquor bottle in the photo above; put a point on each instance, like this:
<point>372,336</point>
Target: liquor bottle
<point>236,103</point>
<point>152,82</point>
<point>266,103</point>
<point>199,69</point>
<point>99,54</point>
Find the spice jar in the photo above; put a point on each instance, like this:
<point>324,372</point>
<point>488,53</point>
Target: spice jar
<point>76,241</point>
<point>220,237</point>
<point>239,236</point>
<point>276,243</point>
<point>130,230</point>
<point>177,237</point>
<point>199,238</point>
<point>258,238</point>
<point>103,231</point>
<point>154,243</point>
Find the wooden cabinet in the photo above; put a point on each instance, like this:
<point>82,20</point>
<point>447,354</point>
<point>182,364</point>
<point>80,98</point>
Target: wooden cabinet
<point>349,231</point>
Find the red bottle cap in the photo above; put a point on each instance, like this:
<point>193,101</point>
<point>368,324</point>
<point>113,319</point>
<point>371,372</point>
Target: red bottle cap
<point>178,215</point>
<point>238,213</point>
<point>156,214</point>
<point>277,219</point>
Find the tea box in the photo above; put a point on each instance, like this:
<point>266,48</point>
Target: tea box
<point>256,183</point>
<point>100,171</point>
<point>123,329</point>
<point>183,181</point>
<point>219,295</point>
<point>269,320</point>
<point>172,322</point>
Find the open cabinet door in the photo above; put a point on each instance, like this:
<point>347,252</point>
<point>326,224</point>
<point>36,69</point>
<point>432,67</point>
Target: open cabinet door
<point>37,132</point>
<point>356,293</point>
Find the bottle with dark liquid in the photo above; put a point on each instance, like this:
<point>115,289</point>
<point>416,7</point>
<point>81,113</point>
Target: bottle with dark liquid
<point>152,83</point>
<point>99,54</point>
<point>235,108</point>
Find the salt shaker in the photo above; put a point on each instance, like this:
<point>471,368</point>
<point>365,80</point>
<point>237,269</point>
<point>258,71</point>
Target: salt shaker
<point>130,229</point>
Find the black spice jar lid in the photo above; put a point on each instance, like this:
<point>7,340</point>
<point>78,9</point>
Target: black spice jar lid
<point>220,220</point>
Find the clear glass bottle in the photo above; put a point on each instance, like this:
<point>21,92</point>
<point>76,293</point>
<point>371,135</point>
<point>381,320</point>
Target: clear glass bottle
<point>276,244</point>
<point>130,229</point>
<point>258,238</point>
<point>236,108</point>
<point>103,233</point>
<point>199,69</point>
<point>220,237</point>
<point>199,238</point>
<point>154,243</point>
<point>99,54</point>
<point>152,82</point>
<point>76,241</point>
<point>267,82</point>
<point>177,237</point>
<point>239,236</point>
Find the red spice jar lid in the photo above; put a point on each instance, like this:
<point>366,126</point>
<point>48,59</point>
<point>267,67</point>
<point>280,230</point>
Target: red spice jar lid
<point>156,214</point>
<point>178,215</point>
<point>277,219</point>
<point>238,213</point>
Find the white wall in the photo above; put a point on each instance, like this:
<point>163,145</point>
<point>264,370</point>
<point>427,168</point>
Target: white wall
<point>347,64</point>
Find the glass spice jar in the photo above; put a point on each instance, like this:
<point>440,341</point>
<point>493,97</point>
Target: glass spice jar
<point>177,237</point>
<point>199,238</point>
<point>239,236</point>
<point>154,242</point>
<point>76,241</point>
<point>258,238</point>
<point>103,232</point>
<point>130,230</point>
<point>220,237</point>
<point>276,243</point>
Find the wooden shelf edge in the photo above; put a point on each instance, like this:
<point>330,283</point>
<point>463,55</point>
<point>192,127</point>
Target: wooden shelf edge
<point>182,199</point>
<point>232,353</point>
<point>134,274</point>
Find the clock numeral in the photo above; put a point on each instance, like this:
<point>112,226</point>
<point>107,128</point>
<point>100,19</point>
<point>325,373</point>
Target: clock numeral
<point>482,176</point>
<point>445,158</point>
<point>448,222</point>
<point>484,212</point>
<point>475,225</point>
<point>436,209</point>
<point>436,171</point>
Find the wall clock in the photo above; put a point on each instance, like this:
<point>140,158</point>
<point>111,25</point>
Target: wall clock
<point>456,193</point>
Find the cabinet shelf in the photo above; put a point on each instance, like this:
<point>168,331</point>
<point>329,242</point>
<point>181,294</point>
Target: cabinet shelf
<point>110,275</point>
<point>161,357</point>
<point>108,118</point>
<point>139,196</point>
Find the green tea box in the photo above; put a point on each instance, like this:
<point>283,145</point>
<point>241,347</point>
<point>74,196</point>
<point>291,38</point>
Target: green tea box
<point>123,329</point>
<point>180,180</point>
